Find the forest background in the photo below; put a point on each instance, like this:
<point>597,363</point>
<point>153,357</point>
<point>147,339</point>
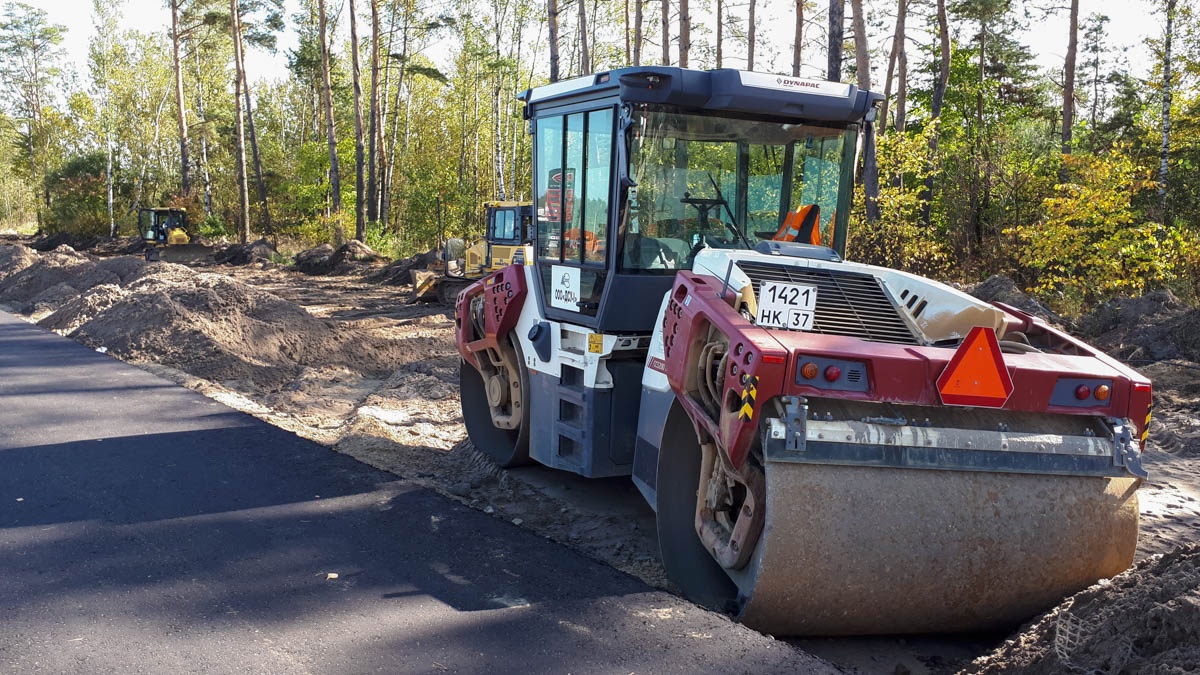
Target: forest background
<point>1079,181</point>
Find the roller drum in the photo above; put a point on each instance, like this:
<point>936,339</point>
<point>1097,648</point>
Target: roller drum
<point>861,550</point>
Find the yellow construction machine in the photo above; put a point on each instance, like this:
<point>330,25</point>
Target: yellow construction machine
<point>508,229</point>
<point>165,231</point>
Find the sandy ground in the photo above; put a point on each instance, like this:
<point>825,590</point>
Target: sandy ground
<point>347,363</point>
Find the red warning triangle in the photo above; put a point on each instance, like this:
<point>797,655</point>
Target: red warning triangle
<point>976,374</point>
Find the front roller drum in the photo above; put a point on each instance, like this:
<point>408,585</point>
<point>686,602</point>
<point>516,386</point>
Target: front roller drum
<point>860,550</point>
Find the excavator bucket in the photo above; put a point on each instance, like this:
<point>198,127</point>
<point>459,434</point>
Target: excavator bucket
<point>424,285</point>
<point>182,253</point>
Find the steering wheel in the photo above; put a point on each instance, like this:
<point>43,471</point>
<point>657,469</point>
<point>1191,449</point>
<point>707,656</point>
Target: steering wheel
<point>704,205</point>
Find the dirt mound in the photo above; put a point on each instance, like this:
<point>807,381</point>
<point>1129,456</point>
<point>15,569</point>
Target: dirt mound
<point>244,254</point>
<point>61,267</point>
<point>119,246</point>
<point>217,328</point>
<point>345,259</point>
<point>999,288</point>
<point>1154,327</point>
<point>1145,620</point>
<point>315,261</point>
<point>38,285</point>
<point>15,258</point>
<point>399,273</point>
<point>79,242</point>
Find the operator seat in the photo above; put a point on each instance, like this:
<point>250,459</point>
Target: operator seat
<point>801,225</point>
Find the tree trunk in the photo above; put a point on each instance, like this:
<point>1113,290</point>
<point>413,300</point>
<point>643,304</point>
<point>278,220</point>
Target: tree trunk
<point>798,39</point>
<point>751,38</point>
<point>685,33</point>
<point>837,21</point>
<point>239,83</point>
<point>862,67</point>
<point>893,57</point>
<point>979,197</point>
<point>552,24</point>
<point>335,182</point>
<point>1165,153</point>
<point>720,31</point>
<point>585,56</point>
<point>935,109</point>
<point>639,16</point>
<point>201,112</point>
<point>264,211</point>
<point>1068,109</point>
<point>388,179</point>
<point>385,165</point>
<point>181,117</point>
<point>902,86</point>
<point>628,44</point>
<point>666,32</point>
<point>373,155</point>
<point>360,202</point>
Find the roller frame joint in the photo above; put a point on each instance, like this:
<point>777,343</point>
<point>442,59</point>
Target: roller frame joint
<point>1127,454</point>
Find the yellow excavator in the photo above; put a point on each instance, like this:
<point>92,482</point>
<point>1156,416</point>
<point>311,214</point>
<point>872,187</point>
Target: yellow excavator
<point>165,231</point>
<point>508,229</point>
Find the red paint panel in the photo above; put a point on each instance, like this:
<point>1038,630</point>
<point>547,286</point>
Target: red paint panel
<point>694,305</point>
<point>504,294</point>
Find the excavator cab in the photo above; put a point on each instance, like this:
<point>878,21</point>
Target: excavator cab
<point>165,231</point>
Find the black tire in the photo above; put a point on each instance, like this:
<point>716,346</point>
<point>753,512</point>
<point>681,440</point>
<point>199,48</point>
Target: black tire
<point>506,447</point>
<point>685,559</point>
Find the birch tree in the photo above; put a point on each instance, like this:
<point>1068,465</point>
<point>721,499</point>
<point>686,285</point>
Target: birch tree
<point>106,15</point>
<point>360,202</point>
<point>29,45</point>
<point>335,183</point>
<point>239,139</point>
<point>181,124</point>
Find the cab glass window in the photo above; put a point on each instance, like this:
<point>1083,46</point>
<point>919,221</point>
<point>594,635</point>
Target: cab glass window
<point>704,181</point>
<point>573,185</point>
<point>596,189</point>
<point>548,189</point>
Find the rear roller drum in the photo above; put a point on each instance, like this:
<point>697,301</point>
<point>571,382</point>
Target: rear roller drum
<point>495,404</point>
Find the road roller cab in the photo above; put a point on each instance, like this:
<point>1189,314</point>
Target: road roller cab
<point>830,447</point>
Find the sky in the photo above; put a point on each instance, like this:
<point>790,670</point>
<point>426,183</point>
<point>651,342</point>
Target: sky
<point>1131,22</point>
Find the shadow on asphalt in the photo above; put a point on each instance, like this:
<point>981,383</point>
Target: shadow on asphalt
<point>259,514</point>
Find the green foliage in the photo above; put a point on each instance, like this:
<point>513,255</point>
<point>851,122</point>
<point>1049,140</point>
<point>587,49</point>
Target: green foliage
<point>1092,244</point>
<point>212,227</point>
<point>896,240</point>
<point>385,242</point>
<point>78,196</point>
<point>18,204</point>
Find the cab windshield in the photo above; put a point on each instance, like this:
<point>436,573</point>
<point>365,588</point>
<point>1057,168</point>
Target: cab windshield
<point>708,181</point>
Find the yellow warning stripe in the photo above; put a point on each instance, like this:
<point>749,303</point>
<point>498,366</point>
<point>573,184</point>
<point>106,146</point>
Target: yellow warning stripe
<point>749,391</point>
<point>1146,428</point>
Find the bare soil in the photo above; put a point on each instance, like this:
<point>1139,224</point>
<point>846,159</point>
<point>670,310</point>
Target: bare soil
<point>343,360</point>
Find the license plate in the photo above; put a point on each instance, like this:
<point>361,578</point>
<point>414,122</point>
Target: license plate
<point>789,306</point>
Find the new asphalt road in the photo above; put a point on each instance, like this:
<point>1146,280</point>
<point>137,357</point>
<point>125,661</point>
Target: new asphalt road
<point>147,529</point>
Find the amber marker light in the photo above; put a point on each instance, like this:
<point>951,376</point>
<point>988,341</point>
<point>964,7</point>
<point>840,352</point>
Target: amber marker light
<point>1082,392</point>
<point>809,371</point>
<point>1103,392</point>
